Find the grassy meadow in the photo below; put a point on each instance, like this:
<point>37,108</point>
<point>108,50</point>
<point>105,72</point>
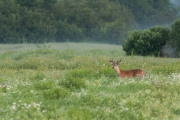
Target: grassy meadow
<point>74,81</point>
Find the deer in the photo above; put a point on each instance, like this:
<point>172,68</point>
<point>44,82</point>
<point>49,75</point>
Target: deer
<point>126,73</point>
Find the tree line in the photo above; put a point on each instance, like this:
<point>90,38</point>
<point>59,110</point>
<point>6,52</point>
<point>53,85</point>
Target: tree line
<point>37,21</point>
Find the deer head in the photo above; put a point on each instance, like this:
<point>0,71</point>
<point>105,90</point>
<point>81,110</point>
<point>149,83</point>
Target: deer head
<point>115,64</point>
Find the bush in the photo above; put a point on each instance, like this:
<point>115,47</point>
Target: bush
<point>107,72</point>
<point>74,79</point>
<point>56,93</point>
<point>174,34</point>
<point>79,114</point>
<point>44,85</point>
<point>80,73</point>
<point>37,76</point>
<point>71,82</point>
<point>146,42</point>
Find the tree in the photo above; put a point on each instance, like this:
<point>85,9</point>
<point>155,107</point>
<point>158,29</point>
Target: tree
<point>146,42</point>
<point>151,12</point>
<point>28,3</point>
<point>77,20</point>
<point>114,21</point>
<point>9,22</point>
<point>174,35</point>
<point>48,3</point>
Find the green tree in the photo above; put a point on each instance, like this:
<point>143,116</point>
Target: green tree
<point>68,32</point>
<point>37,26</point>
<point>114,21</point>
<point>174,35</point>
<point>29,3</point>
<point>9,22</point>
<point>146,42</point>
<point>48,4</point>
<point>76,20</point>
<point>151,12</point>
<point>21,24</point>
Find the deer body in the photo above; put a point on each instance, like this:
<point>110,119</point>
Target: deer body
<point>126,73</point>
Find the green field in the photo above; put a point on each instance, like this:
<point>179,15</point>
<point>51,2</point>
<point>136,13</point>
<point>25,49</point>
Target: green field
<point>64,81</point>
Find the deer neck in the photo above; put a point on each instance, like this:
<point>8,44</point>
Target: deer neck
<point>117,70</point>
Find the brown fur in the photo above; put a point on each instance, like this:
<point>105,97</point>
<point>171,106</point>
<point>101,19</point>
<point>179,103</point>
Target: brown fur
<point>126,73</point>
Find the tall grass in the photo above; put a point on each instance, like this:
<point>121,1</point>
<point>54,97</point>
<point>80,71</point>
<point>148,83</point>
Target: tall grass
<point>75,81</point>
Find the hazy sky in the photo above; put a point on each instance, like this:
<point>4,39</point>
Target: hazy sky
<point>176,2</point>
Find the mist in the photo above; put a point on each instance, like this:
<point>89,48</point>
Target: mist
<point>175,2</point>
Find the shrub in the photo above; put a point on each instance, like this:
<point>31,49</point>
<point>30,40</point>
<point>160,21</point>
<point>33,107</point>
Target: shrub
<point>44,85</point>
<point>73,82</point>
<point>107,72</point>
<point>74,79</point>
<point>80,73</point>
<point>37,76</point>
<point>56,93</point>
<point>146,42</point>
<point>79,114</point>
<point>28,63</point>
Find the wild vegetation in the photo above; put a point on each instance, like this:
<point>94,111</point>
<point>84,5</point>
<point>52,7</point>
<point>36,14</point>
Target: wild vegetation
<point>147,42</point>
<point>151,41</point>
<point>76,81</point>
<point>38,21</point>
<point>174,34</point>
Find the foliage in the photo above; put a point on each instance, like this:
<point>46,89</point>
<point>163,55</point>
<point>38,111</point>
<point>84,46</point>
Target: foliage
<point>37,76</point>
<point>87,86</point>
<point>174,35</point>
<point>56,93</point>
<point>114,21</point>
<point>107,72</point>
<point>74,79</point>
<point>39,21</point>
<point>43,84</point>
<point>146,42</point>
<point>149,13</point>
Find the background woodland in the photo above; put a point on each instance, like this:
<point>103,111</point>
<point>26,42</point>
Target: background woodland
<point>107,21</point>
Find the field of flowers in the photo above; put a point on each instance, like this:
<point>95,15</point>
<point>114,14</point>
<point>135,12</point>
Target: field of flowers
<point>60,81</point>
